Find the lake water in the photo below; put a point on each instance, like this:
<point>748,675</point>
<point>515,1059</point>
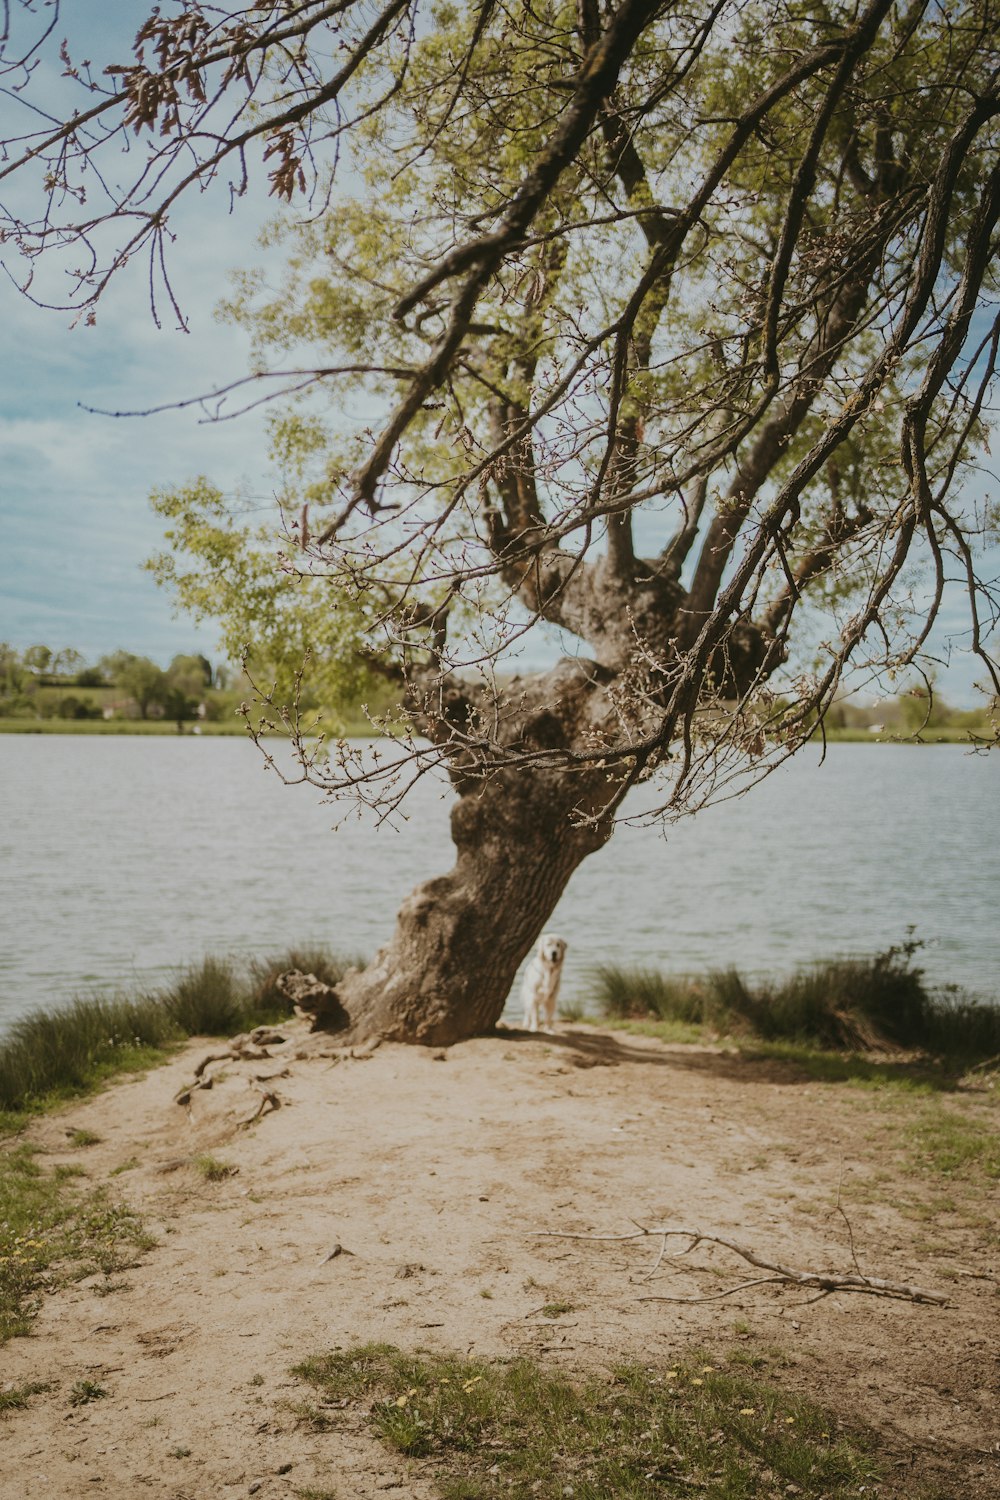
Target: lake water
<point>124,858</point>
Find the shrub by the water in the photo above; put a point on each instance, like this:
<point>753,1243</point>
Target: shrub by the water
<point>63,1051</point>
<point>843,1003</point>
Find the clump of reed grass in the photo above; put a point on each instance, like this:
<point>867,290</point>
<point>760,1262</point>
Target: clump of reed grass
<point>841,1003</point>
<point>209,999</point>
<point>63,1051</point>
<point>49,1055</point>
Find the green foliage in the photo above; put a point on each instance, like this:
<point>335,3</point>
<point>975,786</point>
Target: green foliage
<point>513,1429</point>
<point>68,1050</point>
<point>144,681</point>
<point>219,567</point>
<point>209,999</point>
<point>623,992</point>
<point>844,1003</point>
<point>28,691</point>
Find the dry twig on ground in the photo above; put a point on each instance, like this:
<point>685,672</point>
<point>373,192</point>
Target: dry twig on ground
<point>822,1281</point>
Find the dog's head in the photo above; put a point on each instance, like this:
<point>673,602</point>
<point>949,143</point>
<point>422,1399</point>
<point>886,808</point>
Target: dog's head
<point>551,949</point>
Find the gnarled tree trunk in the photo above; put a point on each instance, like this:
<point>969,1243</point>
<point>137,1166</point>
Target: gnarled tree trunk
<point>519,835</point>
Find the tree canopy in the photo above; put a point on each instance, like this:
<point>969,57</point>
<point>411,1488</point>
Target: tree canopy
<point>672,329</point>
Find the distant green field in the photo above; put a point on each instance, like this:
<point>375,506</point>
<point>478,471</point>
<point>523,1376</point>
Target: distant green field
<point>112,726</point>
<point>355,728</point>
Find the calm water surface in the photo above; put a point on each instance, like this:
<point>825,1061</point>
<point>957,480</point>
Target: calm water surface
<point>123,858</point>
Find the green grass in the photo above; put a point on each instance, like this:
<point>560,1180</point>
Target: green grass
<point>511,1429</point>
<point>940,734</point>
<point>51,1231</point>
<point>907,1076</point>
<point>328,967</point>
<point>117,726</point>
<point>16,1397</point>
<point>844,1005</point>
<point>49,1056</point>
<point>679,1033</point>
<point>352,727</point>
<point>212,999</point>
<point>212,1169</point>
<point>953,1145</point>
<point>86,1391</point>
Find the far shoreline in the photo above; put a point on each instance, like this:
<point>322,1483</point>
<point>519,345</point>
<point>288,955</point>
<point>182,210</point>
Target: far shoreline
<point>167,728</point>
<point>363,731</point>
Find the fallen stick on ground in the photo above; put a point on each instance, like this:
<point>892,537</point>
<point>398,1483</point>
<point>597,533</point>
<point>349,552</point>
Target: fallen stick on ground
<point>823,1282</point>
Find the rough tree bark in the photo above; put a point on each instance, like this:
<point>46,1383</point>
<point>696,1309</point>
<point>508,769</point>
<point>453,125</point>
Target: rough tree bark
<point>519,834</point>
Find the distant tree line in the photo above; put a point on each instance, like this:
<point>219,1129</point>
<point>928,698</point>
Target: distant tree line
<point>40,682</point>
<point>913,711</point>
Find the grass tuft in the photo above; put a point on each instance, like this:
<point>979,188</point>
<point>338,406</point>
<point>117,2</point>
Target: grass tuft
<point>212,1169</point>
<point>86,1391</point>
<point>209,999</point>
<point>16,1397</point>
<point>267,999</point>
<point>512,1429</point>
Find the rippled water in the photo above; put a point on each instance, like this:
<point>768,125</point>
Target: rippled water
<point>123,858</point>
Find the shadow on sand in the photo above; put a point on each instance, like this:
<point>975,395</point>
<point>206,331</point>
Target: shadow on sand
<point>782,1064</point>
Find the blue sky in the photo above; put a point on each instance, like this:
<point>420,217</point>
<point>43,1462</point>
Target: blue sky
<point>75,524</point>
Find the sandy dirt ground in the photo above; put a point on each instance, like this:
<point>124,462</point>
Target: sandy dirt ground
<point>434,1173</point>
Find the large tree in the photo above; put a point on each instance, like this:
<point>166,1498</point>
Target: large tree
<point>673,328</point>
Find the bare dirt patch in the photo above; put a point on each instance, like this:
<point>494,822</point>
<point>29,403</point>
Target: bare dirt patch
<point>432,1173</point>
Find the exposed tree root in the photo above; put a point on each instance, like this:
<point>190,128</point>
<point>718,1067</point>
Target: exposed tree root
<point>268,1100</point>
<point>248,1046</point>
<point>823,1282</point>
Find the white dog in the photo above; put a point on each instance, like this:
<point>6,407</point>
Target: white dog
<point>540,989</point>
